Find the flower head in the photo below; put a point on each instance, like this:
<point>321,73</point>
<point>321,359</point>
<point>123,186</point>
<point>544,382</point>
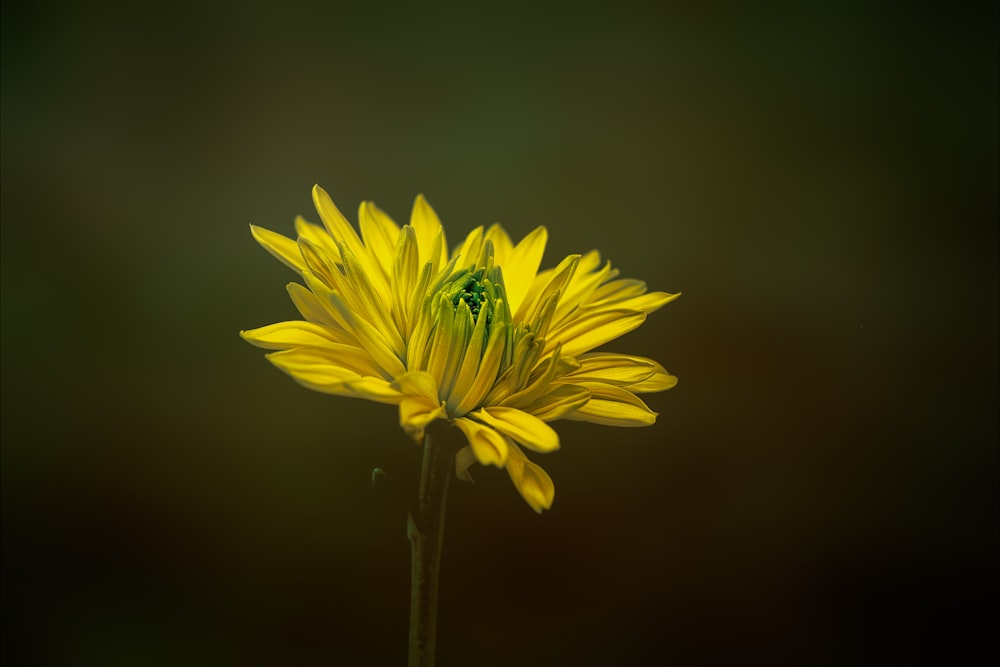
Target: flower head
<point>479,337</point>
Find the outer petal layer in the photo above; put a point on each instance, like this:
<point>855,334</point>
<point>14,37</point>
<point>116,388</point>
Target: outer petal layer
<point>613,406</point>
<point>533,483</point>
<point>525,428</point>
<point>282,247</point>
<point>286,335</point>
<point>488,446</point>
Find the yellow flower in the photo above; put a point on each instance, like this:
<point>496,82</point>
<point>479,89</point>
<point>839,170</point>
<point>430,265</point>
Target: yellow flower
<point>479,337</point>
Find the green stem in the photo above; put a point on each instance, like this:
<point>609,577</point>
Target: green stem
<point>425,529</point>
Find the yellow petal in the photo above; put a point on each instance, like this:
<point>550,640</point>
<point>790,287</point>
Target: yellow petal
<point>618,290</point>
<point>280,246</point>
<point>417,306</point>
<point>441,348</point>
<point>587,332</point>
<point>304,360</point>
<point>539,294</point>
<point>462,329</point>
<point>367,336</point>
<point>661,380</point>
<point>286,335</point>
<point>419,345</point>
<point>424,220</point>
<point>539,380</point>
<point>616,369</point>
<point>370,302</point>
<point>541,317</point>
<point>342,235</point>
<point>318,236</point>
<point>415,413</point>
<point>521,264</point>
<point>468,252</point>
<point>321,374</point>
<point>373,389</point>
<point>525,428</point>
<point>502,247</point>
<point>334,221</point>
<point>417,384</point>
<point>312,367</point>
<point>533,483</point>
<point>542,279</point>
<point>487,445</point>
<point>440,275</point>
<point>559,402</point>
<point>469,367</point>
<point>404,278</point>
<point>327,297</point>
<point>489,366</point>
<point>379,233</point>
<point>527,351</point>
<point>312,309</point>
<point>640,375</point>
<point>371,339</point>
<point>647,303</point>
<point>449,341</point>
<point>319,264</point>
<point>586,279</point>
<point>613,406</point>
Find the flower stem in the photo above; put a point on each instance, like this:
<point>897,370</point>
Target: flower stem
<point>425,529</point>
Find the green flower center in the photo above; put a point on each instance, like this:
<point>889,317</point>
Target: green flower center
<point>473,292</point>
<point>463,336</point>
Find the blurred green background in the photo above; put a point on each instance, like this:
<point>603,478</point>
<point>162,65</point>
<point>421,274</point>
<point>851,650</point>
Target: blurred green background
<point>819,179</point>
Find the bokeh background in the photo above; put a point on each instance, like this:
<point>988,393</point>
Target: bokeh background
<point>819,179</point>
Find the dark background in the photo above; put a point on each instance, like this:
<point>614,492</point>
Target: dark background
<point>819,179</point>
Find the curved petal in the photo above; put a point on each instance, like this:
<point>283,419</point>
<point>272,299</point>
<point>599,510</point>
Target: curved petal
<point>280,246</point>
<point>533,483</point>
<point>379,233</point>
<point>417,384</point>
<point>546,284</point>
<point>469,368</point>
<point>317,235</point>
<point>647,303</point>
<point>319,373</point>
<point>303,362</point>
<point>489,366</point>
<point>559,402</point>
<point>373,389</point>
<point>660,380</point>
<point>521,266</point>
<point>502,247</point>
<point>430,235</point>
<point>612,368</point>
<point>334,221</point>
<point>583,334</point>
<point>617,290</point>
<point>368,337</point>
<point>488,446</point>
<point>544,374</point>
<point>286,335</point>
<point>312,309</point>
<point>613,406</point>
<point>586,279</point>
<point>468,252</point>
<point>525,428</point>
<point>312,367</point>
<point>403,278</point>
<point>416,412</point>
